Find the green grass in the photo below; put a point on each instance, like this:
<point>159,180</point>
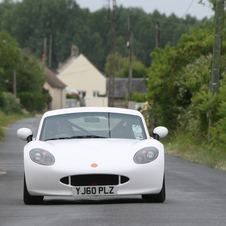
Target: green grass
<point>196,150</point>
<point>6,120</point>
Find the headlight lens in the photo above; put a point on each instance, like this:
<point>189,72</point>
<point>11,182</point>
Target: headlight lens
<point>146,155</point>
<point>42,157</point>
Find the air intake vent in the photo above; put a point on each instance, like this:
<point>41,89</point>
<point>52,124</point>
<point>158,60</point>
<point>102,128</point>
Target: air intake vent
<point>94,180</point>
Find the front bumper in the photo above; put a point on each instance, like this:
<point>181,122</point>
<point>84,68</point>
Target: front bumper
<point>48,180</point>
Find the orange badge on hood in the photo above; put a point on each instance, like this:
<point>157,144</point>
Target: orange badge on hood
<point>94,165</point>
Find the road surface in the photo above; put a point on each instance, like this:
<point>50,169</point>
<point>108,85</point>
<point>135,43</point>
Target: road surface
<point>196,196</point>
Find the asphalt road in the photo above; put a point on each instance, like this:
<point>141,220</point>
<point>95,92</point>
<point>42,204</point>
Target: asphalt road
<point>196,195</point>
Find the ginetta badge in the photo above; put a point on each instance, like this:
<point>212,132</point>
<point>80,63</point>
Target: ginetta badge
<point>94,165</point>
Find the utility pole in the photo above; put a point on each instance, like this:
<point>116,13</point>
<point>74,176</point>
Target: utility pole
<point>157,34</point>
<point>14,82</point>
<point>217,46</point>
<point>50,51</point>
<point>130,65</point>
<point>44,51</point>
<point>45,46</point>
<point>111,85</point>
<point>119,65</point>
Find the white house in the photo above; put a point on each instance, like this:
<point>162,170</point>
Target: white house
<point>78,73</point>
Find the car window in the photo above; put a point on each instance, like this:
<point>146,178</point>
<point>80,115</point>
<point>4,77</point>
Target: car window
<point>93,125</point>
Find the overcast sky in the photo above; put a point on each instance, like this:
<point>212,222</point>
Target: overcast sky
<point>178,7</point>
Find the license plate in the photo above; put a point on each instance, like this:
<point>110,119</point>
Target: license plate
<point>94,190</point>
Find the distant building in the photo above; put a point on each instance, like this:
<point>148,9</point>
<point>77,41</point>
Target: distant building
<point>121,89</point>
<point>78,73</point>
<point>56,89</point>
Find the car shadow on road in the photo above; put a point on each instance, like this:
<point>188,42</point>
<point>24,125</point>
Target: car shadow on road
<point>93,201</point>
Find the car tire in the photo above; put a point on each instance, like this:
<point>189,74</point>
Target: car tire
<point>156,198</point>
<point>29,199</point>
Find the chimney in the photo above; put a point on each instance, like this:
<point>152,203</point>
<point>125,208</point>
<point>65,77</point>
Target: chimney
<point>74,50</point>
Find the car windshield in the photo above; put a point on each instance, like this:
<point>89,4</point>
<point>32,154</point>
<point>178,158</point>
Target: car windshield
<point>92,125</point>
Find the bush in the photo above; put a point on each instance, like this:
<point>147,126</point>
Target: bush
<point>32,101</point>
<point>139,97</point>
<point>9,104</point>
<point>47,98</point>
<point>72,96</point>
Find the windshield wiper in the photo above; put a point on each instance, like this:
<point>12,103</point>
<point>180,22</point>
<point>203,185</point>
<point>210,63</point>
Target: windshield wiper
<point>76,137</point>
<point>87,136</point>
<point>58,138</point>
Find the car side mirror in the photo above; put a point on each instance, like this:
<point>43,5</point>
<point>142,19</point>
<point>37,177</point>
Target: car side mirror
<point>160,132</point>
<point>25,134</point>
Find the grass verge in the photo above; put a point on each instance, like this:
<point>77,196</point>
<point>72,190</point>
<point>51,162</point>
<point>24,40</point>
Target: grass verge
<point>196,150</point>
<point>6,120</point>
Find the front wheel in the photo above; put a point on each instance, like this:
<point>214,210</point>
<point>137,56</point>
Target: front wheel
<point>29,199</point>
<point>156,198</point>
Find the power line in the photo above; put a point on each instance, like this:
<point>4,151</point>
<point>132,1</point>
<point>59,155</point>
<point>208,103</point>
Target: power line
<point>188,8</point>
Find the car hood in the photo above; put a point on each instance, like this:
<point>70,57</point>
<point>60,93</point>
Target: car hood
<point>95,150</point>
<point>106,153</point>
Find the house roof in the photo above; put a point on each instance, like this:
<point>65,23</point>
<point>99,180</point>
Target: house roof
<point>52,79</point>
<point>62,66</point>
<point>80,74</point>
<point>121,86</point>
<point>71,60</point>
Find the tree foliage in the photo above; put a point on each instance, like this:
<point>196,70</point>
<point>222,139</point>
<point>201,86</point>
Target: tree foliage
<point>194,82</point>
<point>9,56</point>
<point>121,65</point>
<point>218,130</point>
<point>179,87</point>
<point>29,22</point>
<point>165,85</point>
<point>29,77</point>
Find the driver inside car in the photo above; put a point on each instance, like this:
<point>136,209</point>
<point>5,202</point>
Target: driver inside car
<point>64,128</point>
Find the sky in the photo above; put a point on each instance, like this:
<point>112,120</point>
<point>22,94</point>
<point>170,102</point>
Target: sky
<point>179,7</point>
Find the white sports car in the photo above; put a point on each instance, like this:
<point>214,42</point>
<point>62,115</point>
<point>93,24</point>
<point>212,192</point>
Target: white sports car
<point>93,151</point>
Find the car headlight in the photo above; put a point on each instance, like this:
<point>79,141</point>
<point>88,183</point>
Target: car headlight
<point>146,155</point>
<point>42,157</point>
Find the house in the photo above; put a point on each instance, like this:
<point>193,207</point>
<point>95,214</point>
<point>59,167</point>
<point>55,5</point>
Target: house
<point>121,89</point>
<point>78,73</point>
<point>56,89</point>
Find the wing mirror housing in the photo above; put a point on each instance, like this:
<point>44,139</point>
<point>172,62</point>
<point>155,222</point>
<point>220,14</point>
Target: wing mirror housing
<point>160,132</point>
<point>25,134</point>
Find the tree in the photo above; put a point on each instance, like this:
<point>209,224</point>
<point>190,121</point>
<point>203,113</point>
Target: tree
<point>30,76</point>
<point>30,81</point>
<point>29,22</point>
<point>163,86</point>
<point>10,56</point>
<point>122,67</point>
<point>193,85</point>
<point>139,70</point>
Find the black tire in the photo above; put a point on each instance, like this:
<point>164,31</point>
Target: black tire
<point>156,198</point>
<point>29,199</point>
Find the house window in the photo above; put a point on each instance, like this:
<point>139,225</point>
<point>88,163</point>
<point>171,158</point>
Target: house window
<point>95,93</point>
<point>82,94</point>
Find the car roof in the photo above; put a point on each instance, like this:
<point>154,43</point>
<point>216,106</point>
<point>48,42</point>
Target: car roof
<point>91,109</point>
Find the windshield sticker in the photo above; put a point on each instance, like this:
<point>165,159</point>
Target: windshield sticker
<point>137,131</point>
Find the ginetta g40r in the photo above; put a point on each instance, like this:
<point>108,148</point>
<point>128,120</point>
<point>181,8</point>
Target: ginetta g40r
<point>93,151</point>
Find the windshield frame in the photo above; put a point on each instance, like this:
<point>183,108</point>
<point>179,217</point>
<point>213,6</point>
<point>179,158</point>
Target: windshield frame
<point>107,121</point>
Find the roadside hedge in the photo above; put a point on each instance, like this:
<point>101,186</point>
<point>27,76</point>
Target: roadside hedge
<point>9,104</point>
<point>32,101</point>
